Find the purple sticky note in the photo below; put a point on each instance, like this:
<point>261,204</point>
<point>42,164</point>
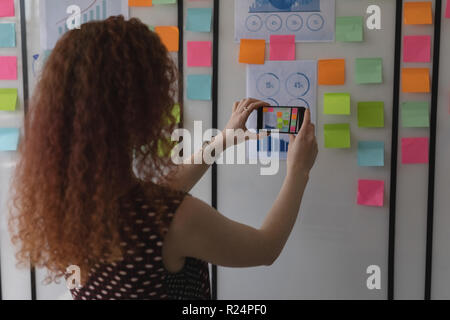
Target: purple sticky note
<point>199,53</point>
<point>282,47</point>
<point>8,68</point>
<point>7,8</point>
<point>371,193</point>
<point>415,150</point>
<point>447,11</point>
<point>417,49</point>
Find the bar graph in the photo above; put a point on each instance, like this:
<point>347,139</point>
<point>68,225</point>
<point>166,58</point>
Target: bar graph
<point>95,11</point>
<point>270,144</point>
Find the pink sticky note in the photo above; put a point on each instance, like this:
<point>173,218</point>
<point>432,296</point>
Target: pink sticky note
<point>282,47</point>
<point>415,150</point>
<point>199,53</point>
<point>371,193</point>
<point>447,12</point>
<point>7,8</point>
<point>417,49</point>
<point>8,68</point>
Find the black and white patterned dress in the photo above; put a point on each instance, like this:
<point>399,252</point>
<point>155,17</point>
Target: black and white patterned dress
<point>141,274</point>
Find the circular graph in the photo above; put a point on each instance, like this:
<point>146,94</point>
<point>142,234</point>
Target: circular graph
<point>274,22</point>
<point>294,22</point>
<point>268,85</point>
<point>272,102</point>
<point>299,102</point>
<point>297,85</point>
<point>253,23</point>
<point>315,22</point>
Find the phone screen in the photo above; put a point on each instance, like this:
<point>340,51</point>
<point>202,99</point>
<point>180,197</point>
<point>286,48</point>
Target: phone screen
<point>283,119</point>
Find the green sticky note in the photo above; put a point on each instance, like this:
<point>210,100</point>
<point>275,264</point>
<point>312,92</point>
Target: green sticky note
<point>336,103</point>
<point>415,114</point>
<point>164,1</point>
<point>199,87</point>
<point>371,114</point>
<point>176,112</point>
<point>369,70</point>
<point>349,29</point>
<point>199,19</point>
<point>337,136</point>
<point>7,35</point>
<point>8,99</point>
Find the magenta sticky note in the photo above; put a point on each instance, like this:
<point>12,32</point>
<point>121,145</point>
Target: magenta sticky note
<point>8,68</point>
<point>371,193</point>
<point>7,8</point>
<point>282,47</point>
<point>199,53</point>
<point>415,150</point>
<point>417,49</point>
<point>447,11</point>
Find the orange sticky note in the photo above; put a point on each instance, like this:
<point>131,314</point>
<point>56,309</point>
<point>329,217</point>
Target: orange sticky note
<point>416,80</point>
<point>332,72</point>
<point>418,13</point>
<point>169,36</point>
<point>252,51</point>
<point>139,3</point>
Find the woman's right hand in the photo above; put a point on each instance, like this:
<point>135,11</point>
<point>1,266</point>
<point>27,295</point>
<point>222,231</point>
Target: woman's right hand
<point>303,148</point>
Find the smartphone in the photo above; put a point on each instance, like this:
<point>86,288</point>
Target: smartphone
<point>283,119</point>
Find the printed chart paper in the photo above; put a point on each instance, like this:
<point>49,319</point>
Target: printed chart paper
<point>54,16</point>
<point>308,20</point>
<point>280,83</point>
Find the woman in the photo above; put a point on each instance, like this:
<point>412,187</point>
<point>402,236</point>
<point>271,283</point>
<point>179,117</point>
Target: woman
<point>95,186</point>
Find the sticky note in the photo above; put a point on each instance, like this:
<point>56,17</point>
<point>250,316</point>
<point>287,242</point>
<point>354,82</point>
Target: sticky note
<point>415,150</point>
<point>331,72</point>
<point>8,68</point>
<point>369,70</point>
<point>199,87</point>
<point>164,1</point>
<point>176,112</point>
<point>371,114</point>
<point>371,193</point>
<point>418,13</point>
<point>349,29</point>
<point>139,3</point>
<point>169,36</point>
<point>252,51</point>
<point>199,19</point>
<point>415,114</point>
<point>417,49</point>
<point>282,47</point>
<point>8,99</point>
<point>7,8</point>
<point>9,138</point>
<point>337,135</point>
<point>371,153</point>
<point>199,53</point>
<point>7,35</point>
<point>447,11</point>
<point>416,80</point>
<point>336,103</point>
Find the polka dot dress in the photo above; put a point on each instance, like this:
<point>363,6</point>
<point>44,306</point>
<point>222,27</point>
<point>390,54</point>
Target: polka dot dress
<point>141,274</point>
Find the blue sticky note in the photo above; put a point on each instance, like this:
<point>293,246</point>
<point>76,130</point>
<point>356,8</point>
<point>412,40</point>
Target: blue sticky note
<point>371,153</point>
<point>9,139</point>
<point>7,35</point>
<point>199,19</point>
<point>199,86</point>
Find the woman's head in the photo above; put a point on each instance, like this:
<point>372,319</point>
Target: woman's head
<point>101,114</point>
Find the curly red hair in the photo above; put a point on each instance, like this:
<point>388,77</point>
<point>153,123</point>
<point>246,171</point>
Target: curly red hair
<point>99,118</point>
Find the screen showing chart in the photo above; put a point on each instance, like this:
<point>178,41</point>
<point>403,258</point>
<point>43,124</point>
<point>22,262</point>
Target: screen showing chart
<point>283,119</point>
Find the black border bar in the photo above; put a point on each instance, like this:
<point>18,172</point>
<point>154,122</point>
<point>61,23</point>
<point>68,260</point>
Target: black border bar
<point>432,152</point>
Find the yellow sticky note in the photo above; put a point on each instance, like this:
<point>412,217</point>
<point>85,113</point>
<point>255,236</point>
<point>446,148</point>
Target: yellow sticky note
<point>332,72</point>
<point>418,13</point>
<point>252,51</point>
<point>169,36</point>
<point>416,80</point>
<point>139,3</point>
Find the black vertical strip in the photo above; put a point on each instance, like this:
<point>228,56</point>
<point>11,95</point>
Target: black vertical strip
<point>432,165</point>
<point>394,150</point>
<point>215,100</point>
<point>181,59</point>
